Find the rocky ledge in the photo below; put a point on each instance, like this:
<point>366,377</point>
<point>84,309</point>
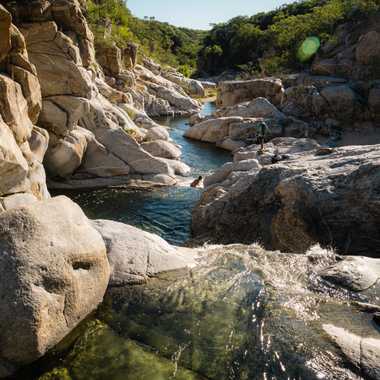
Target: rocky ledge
<point>293,195</point>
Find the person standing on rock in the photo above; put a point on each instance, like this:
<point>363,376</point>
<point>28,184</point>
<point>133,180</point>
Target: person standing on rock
<point>197,182</point>
<point>261,134</point>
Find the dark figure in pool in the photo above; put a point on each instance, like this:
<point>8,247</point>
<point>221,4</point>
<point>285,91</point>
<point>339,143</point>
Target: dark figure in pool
<point>197,182</point>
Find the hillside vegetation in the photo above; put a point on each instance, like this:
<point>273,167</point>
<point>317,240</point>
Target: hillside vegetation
<point>111,21</point>
<point>269,43</point>
<point>266,43</point>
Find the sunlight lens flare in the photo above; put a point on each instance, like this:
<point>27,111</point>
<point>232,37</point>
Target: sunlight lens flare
<point>308,48</point>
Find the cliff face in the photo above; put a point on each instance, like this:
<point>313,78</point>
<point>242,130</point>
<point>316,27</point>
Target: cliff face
<point>58,113</point>
<point>22,143</point>
<point>87,114</point>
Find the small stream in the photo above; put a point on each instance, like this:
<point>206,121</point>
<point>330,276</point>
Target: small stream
<point>242,314</point>
<point>165,212</point>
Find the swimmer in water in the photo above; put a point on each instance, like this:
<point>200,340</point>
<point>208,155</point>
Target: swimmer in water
<point>197,182</point>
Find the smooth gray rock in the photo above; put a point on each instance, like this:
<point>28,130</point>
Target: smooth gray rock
<point>136,255</point>
<point>213,130</point>
<point>162,148</point>
<point>362,352</point>
<point>13,166</point>
<point>234,92</point>
<point>18,200</point>
<point>259,107</point>
<point>54,272</point>
<point>157,133</point>
<point>354,273</point>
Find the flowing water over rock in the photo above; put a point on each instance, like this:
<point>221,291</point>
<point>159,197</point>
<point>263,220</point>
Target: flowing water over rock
<point>242,314</point>
<point>166,212</point>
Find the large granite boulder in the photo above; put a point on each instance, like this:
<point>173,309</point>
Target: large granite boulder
<point>343,102</point>
<point>355,274</point>
<point>121,142</point>
<point>64,156</point>
<point>234,92</point>
<point>162,148</point>
<point>110,58</point>
<point>46,45</point>
<point>162,96</point>
<point>304,101</point>
<point>18,200</point>
<point>361,352</point>
<point>234,132</point>
<point>14,109</point>
<point>38,143</point>
<point>13,166</point>
<point>354,51</point>
<point>136,255</point>
<point>178,101</point>
<point>61,114</point>
<point>54,272</point>
<point>68,14</point>
<point>301,196</point>
<point>259,107</point>
<point>99,162</point>
<point>157,133</point>
<point>22,144</point>
<point>5,32</point>
<point>213,130</point>
<point>19,67</point>
<point>191,86</point>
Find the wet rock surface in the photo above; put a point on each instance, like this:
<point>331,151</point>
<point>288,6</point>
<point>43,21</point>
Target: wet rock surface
<point>241,312</point>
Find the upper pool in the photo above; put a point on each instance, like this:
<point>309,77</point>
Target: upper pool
<point>167,211</point>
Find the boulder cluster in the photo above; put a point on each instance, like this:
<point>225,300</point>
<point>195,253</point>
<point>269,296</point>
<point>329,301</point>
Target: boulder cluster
<point>339,95</point>
<point>293,195</point>
<point>83,113</point>
<point>317,178</point>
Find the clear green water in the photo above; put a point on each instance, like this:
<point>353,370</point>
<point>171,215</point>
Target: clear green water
<point>241,315</point>
<point>166,212</point>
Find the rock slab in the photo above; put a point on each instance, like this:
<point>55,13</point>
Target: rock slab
<point>54,272</point>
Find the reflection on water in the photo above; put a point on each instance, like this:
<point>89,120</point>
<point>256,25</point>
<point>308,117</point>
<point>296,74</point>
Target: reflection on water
<point>201,157</point>
<point>166,212</point>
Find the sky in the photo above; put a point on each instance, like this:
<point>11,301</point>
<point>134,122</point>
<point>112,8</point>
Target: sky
<point>198,14</point>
